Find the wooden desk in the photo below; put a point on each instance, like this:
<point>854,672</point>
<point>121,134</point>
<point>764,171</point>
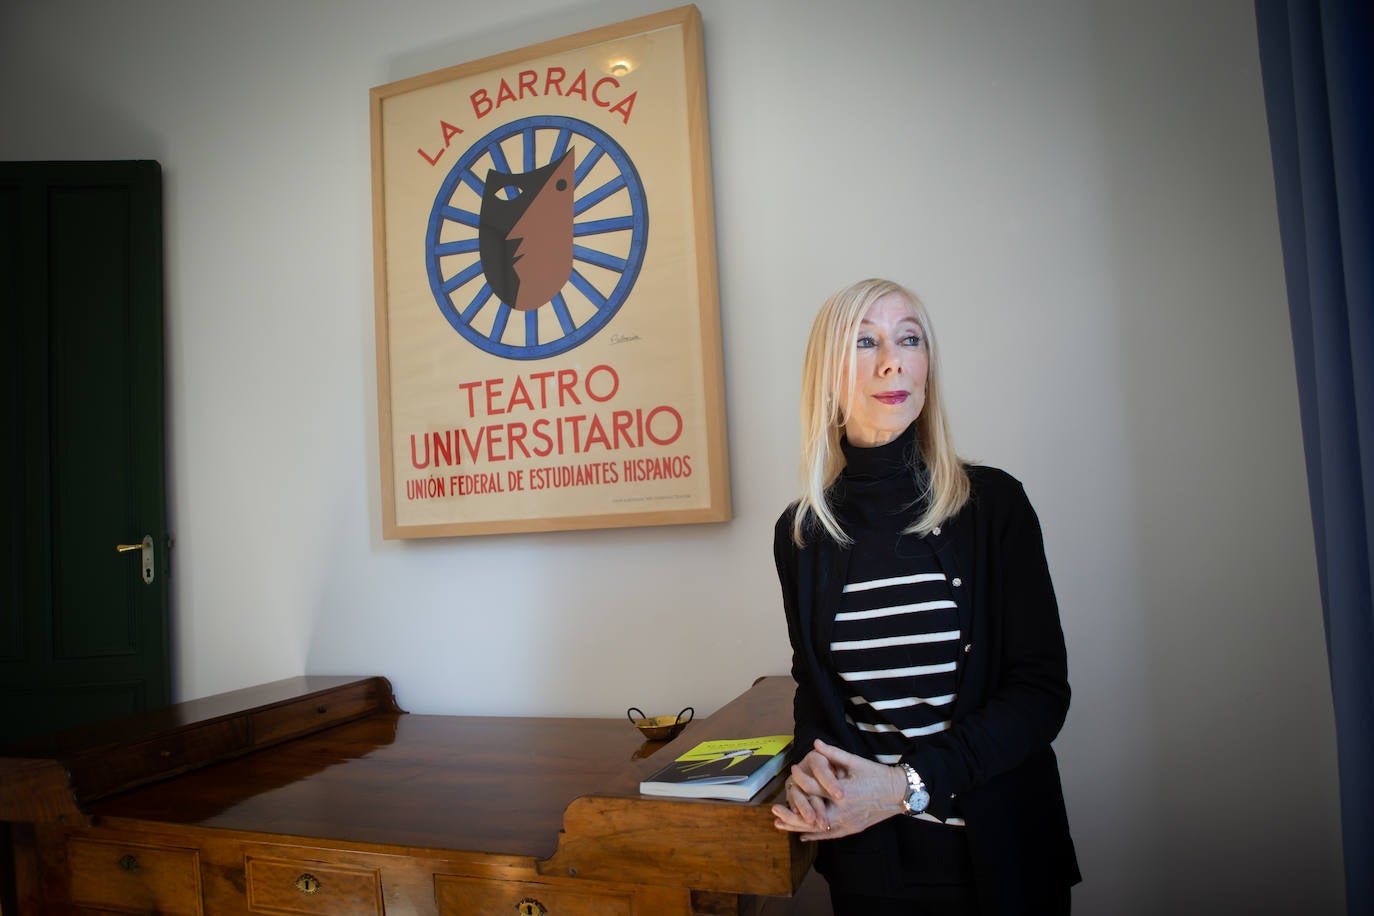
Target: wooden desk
<point>320,796</point>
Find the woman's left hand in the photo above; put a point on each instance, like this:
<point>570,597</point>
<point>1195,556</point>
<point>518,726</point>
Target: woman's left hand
<point>832,793</point>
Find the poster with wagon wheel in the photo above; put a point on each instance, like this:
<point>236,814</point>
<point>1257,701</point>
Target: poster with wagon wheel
<point>548,324</point>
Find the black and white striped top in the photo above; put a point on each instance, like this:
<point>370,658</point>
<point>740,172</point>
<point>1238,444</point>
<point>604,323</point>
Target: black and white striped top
<point>895,639</point>
<point>895,645</point>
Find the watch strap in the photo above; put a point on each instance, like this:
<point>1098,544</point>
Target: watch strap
<point>917,796</point>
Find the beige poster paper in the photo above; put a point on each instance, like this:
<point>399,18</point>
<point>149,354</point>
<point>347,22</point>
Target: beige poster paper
<point>547,315</point>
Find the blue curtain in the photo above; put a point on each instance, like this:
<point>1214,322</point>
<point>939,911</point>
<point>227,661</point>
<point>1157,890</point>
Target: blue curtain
<point>1317,58</point>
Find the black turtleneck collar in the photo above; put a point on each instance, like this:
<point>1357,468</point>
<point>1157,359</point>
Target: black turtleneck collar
<point>882,461</point>
<point>877,491</point>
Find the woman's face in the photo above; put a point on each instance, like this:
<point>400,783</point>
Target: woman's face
<point>890,362</point>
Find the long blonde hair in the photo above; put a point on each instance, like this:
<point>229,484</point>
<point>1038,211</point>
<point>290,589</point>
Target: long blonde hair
<point>827,373</point>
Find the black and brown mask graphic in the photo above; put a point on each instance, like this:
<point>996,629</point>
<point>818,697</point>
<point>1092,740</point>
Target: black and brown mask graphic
<point>525,233</point>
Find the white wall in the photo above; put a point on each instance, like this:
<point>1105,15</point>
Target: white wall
<point>1081,191</point>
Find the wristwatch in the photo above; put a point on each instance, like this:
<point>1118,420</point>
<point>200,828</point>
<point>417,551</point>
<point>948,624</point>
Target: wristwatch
<point>917,798</point>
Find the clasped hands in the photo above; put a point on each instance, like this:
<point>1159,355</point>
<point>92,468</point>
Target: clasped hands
<point>832,793</point>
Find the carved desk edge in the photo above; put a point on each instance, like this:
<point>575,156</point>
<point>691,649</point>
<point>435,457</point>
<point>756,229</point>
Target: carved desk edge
<point>53,777</point>
<point>649,839</point>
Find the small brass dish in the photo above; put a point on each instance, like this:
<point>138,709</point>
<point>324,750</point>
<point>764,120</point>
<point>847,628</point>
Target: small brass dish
<point>659,728</point>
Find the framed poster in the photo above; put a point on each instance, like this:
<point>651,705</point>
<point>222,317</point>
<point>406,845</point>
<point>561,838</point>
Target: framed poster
<point>548,325</point>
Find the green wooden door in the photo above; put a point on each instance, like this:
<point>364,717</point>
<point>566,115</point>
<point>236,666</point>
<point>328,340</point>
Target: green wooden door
<point>83,636</point>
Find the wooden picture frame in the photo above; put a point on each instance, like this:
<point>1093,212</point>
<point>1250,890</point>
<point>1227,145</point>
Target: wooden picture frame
<point>548,326</point>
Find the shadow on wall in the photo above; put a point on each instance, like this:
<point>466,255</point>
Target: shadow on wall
<point>76,125</point>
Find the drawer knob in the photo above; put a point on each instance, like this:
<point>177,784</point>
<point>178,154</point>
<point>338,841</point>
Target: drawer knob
<point>530,907</point>
<point>308,884</point>
<point>128,864</point>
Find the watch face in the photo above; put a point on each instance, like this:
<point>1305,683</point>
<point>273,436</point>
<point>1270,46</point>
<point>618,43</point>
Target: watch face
<point>917,801</point>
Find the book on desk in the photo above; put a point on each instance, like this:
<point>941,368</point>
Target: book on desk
<point>734,768</point>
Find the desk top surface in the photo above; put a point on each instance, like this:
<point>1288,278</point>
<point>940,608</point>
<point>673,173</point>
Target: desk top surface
<point>446,782</point>
<point>489,784</point>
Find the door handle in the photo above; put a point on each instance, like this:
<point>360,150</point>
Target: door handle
<point>146,546</point>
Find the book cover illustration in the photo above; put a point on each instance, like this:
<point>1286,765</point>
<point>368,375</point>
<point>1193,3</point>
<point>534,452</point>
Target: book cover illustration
<point>735,768</point>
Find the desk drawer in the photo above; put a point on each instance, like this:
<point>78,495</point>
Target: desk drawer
<point>190,747</point>
<point>474,897</point>
<point>134,878</point>
<point>302,716</point>
<point>104,771</point>
<point>299,886</point>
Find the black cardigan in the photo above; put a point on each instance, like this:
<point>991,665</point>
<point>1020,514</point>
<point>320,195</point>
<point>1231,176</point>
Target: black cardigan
<point>1013,695</point>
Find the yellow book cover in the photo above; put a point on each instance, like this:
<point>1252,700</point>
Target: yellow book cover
<point>733,768</point>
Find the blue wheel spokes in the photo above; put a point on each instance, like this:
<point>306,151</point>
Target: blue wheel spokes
<point>529,149</point>
<point>560,308</point>
<point>599,258</point>
<point>459,215</point>
<point>532,328</point>
<point>498,327</point>
<point>460,279</point>
<point>584,286</point>
<point>600,194</point>
<point>462,246</point>
<point>469,178</point>
<point>560,146</point>
<point>598,226</point>
<point>478,301</point>
<point>586,164</point>
<point>498,158</point>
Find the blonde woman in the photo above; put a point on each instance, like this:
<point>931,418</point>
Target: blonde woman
<point>926,643</point>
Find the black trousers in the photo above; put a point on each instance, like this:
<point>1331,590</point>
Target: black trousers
<point>947,900</point>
